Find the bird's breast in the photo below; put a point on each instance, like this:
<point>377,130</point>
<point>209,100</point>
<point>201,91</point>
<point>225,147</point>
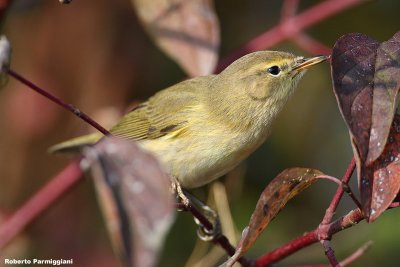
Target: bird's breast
<point>203,154</point>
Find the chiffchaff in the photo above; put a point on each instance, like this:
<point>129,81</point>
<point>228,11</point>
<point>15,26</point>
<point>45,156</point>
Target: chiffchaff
<point>201,128</point>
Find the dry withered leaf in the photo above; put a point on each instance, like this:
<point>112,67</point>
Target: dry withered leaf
<point>187,30</point>
<point>278,192</point>
<point>366,78</point>
<point>385,174</point>
<point>134,194</point>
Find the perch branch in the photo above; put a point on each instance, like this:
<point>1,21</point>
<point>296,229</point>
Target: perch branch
<point>57,100</point>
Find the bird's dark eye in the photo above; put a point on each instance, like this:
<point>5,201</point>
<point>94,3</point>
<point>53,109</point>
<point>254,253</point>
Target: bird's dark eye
<point>274,70</point>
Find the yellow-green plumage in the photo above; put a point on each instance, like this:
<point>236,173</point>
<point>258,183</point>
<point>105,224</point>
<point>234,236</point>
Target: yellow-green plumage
<point>203,127</point>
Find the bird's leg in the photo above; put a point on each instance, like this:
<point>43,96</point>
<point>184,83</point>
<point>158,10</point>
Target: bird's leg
<point>209,214</point>
<point>176,188</point>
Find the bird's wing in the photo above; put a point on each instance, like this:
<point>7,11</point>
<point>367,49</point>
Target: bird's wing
<point>167,112</point>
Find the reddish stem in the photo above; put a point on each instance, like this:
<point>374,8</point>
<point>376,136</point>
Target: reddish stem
<point>330,254</point>
<point>349,220</point>
<point>339,193</point>
<point>350,259</point>
<point>357,254</point>
<point>40,202</point>
<point>58,101</point>
<point>289,28</point>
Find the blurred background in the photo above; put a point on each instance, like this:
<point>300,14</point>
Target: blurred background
<point>96,55</point>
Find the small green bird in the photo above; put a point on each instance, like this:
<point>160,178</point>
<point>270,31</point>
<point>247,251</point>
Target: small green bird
<point>202,128</point>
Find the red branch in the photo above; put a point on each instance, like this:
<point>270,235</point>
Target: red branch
<point>349,220</point>
<point>40,202</point>
<point>290,27</point>
<point>339,193</point>
<point>350,259</point>
<point>330,253</point>
<point>58,101</point>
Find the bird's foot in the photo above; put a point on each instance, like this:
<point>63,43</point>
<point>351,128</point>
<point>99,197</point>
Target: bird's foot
<point>208,234</point>
<point>176,188</point>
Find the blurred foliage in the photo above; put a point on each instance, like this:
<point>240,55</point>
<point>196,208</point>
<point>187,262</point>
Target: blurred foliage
<point>95,54</point>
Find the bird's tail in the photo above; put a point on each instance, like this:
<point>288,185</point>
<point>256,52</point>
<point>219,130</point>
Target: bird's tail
<point>76,144</point>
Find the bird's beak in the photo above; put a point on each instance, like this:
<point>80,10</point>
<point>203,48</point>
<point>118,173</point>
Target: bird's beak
<point>305,63</point>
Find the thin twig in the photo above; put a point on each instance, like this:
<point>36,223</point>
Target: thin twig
<point>339,193</point>
<point>350,259</point>
<point>357,254</point>
<point>346,188</point>
<point>57,100</point>
<point>330,253</point>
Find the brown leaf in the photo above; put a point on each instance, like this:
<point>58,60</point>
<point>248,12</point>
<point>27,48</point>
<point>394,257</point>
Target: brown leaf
<point>385,174</point>
<point>278,192</point>
<point>134,194</point>
<point>187,30</point>
<point>386,88</point>
<point>353,65</point>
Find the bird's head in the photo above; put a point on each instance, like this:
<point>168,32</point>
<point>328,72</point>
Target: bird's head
<point>268,74</point>
<point>254,88</point>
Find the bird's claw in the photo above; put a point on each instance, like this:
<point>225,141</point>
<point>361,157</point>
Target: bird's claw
<point>204,233</point>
